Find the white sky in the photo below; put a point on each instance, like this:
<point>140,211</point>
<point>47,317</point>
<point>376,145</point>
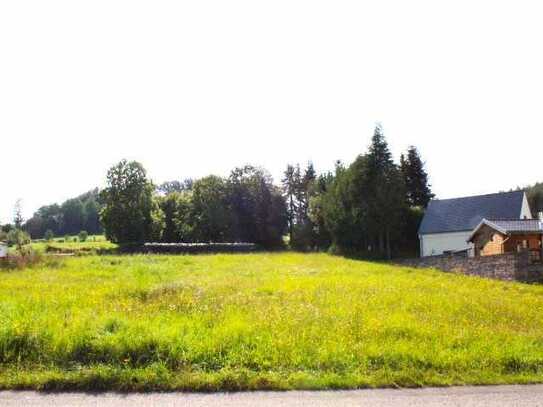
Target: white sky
<point>196,87</point>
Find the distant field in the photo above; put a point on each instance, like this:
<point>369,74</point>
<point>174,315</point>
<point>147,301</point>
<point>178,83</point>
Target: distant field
<point>261,321</point>
<point>93,243</point>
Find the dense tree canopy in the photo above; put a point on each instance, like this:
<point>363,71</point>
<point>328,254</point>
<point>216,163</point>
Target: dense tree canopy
<point>210,216</point>
<point>130,212</point>
<point>367,207</point>
<point>258,208</point>
<point>69,218</point>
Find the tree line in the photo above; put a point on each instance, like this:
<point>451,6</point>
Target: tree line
<point>69,218</point>
<point>372,206</point>
<point>243,207</point>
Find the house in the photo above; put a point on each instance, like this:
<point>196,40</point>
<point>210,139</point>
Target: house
<point>500,236</point>
<point>448,224</point>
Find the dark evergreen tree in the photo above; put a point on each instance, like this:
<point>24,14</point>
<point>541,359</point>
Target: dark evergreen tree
<point>321,235</point>
<point>306,188</point>
<point>385,193</point>
<point>418,189</point>
<point>290,187</point>
<point>363,207</point>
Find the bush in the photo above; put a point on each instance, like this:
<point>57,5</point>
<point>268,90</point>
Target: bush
<point>49,235</point>
<point>16,237</point>
<point>25,257</point>
<point>83,236</point>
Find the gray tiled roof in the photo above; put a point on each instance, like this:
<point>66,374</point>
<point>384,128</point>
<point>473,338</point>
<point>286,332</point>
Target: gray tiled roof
<point>463,214</point>
<point>517,226</point>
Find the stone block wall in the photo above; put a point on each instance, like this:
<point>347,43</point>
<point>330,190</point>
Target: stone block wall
<point>509,266</point>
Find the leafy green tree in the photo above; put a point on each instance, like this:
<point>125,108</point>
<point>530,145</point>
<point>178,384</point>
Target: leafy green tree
<point>344,208</point>
<point>51,218</point>
<point>130,212</point>
<point>92,217</point>
<point>177,208</point>
<point>259,208</point>
<point>83,236</point>
<point>18,238</point>
<point>34,226</point>
<point>49,235</point>
<point>73,216</point>
<point>418,189</point>
<point>210,215</point>
<point>7,227</point>
<point>175,186</point>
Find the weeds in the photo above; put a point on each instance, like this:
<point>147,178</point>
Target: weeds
<point>260,321</point>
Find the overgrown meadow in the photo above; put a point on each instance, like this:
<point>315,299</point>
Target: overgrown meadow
<point>261,321</point>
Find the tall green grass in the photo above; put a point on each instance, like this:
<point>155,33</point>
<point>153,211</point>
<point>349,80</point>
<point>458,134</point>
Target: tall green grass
<point>261,321</point>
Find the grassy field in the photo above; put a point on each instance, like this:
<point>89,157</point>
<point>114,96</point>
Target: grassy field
<point>261,321</point>
<point>94,243</point>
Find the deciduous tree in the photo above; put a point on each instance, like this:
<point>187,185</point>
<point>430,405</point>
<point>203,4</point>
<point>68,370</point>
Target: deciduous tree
<point>130,212</point>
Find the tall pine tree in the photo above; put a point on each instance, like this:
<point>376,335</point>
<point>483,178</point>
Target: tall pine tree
<point>418,189</point>
<point>291,186</point>
<point>385,193</point>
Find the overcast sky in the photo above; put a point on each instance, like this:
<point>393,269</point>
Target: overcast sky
<point>191,88</point>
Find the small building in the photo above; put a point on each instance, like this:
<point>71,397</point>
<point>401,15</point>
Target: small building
<point>3,250</point>
<point>500,236</point>
<point>448,224</point>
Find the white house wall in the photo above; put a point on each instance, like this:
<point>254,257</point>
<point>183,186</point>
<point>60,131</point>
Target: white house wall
<point>435,244</point>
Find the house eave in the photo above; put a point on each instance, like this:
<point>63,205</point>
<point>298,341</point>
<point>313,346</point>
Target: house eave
<point>446,232</point>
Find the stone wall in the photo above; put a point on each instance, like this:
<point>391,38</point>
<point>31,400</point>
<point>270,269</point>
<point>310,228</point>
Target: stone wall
<point>510,266</point>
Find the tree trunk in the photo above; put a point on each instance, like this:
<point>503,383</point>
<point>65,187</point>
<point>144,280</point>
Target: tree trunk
<point>291,221</point>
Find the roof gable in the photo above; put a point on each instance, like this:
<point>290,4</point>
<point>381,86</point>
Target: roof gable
<point>510,227</point>
<point>464,214</point>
